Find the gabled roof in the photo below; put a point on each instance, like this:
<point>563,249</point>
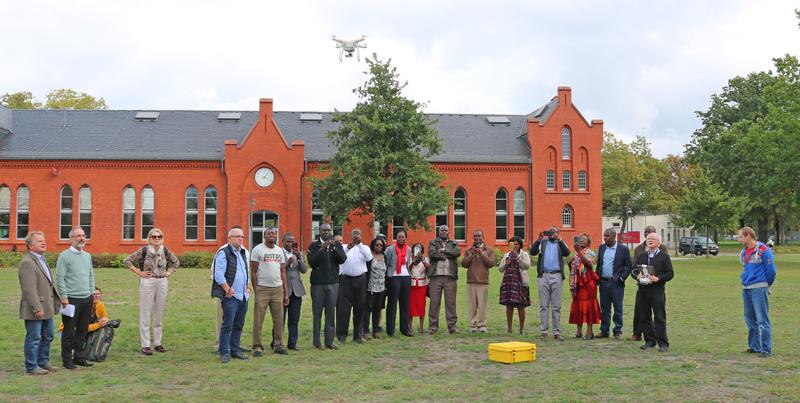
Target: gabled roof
<point>543,113</point>
<point>200,135</point>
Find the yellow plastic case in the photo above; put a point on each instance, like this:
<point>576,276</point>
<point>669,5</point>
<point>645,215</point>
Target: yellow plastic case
<point>511,352</point>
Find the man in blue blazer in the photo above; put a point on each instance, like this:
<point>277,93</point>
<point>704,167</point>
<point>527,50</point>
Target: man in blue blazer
<point>613,265</point>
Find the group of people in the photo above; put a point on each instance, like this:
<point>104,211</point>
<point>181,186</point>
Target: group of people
<point>359,281</point>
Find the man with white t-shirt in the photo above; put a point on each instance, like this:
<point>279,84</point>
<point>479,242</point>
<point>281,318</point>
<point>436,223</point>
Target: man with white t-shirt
<point>268,274</point>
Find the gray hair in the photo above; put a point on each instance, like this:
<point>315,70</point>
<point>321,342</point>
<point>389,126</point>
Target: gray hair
<point>232,230</point>
<point>612,231</point>
<point>72,231</point>
<point>31,235</point>
<point>649,229</point>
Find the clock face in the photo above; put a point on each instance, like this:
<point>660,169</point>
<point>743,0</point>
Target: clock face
<point>264,177</point>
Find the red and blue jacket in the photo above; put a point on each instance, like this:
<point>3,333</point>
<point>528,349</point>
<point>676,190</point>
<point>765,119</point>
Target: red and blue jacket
<point>759,267</point>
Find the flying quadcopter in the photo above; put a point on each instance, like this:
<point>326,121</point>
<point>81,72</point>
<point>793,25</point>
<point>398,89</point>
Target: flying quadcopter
<point>347,47</point>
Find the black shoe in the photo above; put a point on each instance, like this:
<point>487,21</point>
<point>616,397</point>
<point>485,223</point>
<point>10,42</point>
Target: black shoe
<point>602,336</point>
<point>359,340</point>
<point>83,363</point>
<point>258,353</point>
<point>245,349</point>
<point>70,366</point>
<point>648,346</point>
<point>408,334</point>
<point>765,355</point>
<point>751,351</point>
<point>341,339</point>
<point>320,348</point>
<point>663,349</point>
<point>225,358</point>
<point>280,350</point>
<point>293,348</point>
<point>239,356</point>
<point>332,347</point>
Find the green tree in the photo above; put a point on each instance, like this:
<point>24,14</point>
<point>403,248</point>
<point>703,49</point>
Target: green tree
<point>20,100</point>
<point>631,178</point>
<point>65,98</point>
<point>380,166</point>
<point>750,141</point>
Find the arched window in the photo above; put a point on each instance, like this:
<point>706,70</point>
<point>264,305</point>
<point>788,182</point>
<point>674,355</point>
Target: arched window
<point>566,217</point>
<point>148,210</point>
<point>23,203</point>
<point>85,210</point>
<point>128,213</point>
<point>566,142</point>
<point>66,212</point>
<point>398,224</point>
<point>501,215</point>
<point>551,180</point>
<point>318,217</point>
<point>581,180</point>
<point>566,180</point>
<point>5,212</point>
<point>519,213</point>
<point>191,213</point>
<point>460,215</point>
<point>210,214</point>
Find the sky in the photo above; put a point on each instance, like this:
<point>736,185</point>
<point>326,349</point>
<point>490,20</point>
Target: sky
<point>643,67</point>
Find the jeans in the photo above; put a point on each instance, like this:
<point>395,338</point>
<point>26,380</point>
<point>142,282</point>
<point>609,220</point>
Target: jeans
<point>230,335</point>
<point>756,316</point>
<point>38,336</point>
<point>611,293</point>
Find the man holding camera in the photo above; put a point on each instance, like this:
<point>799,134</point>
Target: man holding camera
<point>443,273</point>
<point>352,288</point>
<point>478,259</point>
<point>550,272</point>
<point>324,256</point>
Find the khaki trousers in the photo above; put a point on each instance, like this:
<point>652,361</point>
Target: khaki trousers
<point>271,297</point>
<point>477,294</point>
<point>152,298</point>
<point>437,286</point>
<point>218,305</point>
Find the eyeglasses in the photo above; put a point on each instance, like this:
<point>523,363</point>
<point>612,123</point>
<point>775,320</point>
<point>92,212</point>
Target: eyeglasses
<point>237,236</point>
<point>156,236</point>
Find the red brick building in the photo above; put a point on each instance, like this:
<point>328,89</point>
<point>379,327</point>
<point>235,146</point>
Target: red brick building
<point>195,174</point>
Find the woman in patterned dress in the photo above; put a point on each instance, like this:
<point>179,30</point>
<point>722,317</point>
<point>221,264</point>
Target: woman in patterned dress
<point>514,289</point>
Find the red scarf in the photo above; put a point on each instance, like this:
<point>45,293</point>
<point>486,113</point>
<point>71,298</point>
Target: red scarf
<point>401,256</point>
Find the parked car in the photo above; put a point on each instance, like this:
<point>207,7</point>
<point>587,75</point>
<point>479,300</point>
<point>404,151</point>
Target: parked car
<point>697,245</point>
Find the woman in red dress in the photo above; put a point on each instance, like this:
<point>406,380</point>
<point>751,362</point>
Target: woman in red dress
<point>419,285</point>
<point>583,284</point>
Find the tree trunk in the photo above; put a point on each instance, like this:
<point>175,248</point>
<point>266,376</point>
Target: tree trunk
<point>763,228</point>
<point>777,230</point>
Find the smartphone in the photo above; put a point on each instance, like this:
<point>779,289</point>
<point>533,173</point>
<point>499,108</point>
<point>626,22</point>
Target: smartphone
<point>576,240</point>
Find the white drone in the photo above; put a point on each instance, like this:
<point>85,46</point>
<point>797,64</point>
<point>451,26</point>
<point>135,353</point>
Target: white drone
<point>347,47</point>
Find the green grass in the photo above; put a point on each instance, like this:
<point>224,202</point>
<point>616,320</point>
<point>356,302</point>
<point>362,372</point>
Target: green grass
<point>705,362</point>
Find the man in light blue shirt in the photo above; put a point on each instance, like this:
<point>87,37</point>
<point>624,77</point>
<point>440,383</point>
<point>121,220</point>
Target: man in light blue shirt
<point>230,284</point>
<point>614,261</point>
<point>550,272</point>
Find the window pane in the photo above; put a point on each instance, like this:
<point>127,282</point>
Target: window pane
<point>210,233</point>
<point>66,225</point>
<point>582,180</point>
<point>258,220</point>
<point>85,221</point>
<point>316,221</point>
<point>128,219</point>
<point>500,220</point>
<point>66,198</point>
<point>148,199</point>
<point>23,198</point>
<point>85,198</point>
<point>441,219</point>
<point>22,219</point>
<point>128,199</point>
<point>460,220</point>
<point>147,220</point>
<point>519,201</point>
<point>5,198</point>
<point>191,219</point>
<point>211,220</point>
<point>22,225</point>
<point>211,199</point>
<point>191,232</point>
<point>565,143</point>
<point>501,201</point>
<point>191,199</point>
<point>551,180</point>
<point>315,204</point>
<point>460,233</point>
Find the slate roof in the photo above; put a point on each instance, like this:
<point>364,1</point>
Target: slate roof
<point>199,135</point>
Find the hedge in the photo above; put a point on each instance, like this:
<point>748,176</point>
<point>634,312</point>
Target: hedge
<point>200,260</point>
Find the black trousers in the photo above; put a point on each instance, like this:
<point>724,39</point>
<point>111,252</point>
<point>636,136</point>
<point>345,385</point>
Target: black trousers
<point>398,289</point>
<point>292,312</point>
<point>352,295</point>
<point>373,309</point>
<point>651,309</point>
<point>73,338</point>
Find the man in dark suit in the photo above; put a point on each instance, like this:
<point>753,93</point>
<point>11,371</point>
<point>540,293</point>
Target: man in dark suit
<point>613,265</point>
<point>651,299</point>
<point>324,256</point>
<point>40,301</point>
<point>637,331</point>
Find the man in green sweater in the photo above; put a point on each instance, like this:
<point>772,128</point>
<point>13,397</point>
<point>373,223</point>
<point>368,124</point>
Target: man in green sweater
<point>75,284</point>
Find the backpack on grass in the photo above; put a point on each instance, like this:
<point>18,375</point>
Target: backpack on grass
<point>98,343</point>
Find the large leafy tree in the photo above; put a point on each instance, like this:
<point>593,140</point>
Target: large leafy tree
<point>62,98</point>
<point>380,166</point>
<point>20,100</point>
<point>632,178</point>
<point>750,141</point>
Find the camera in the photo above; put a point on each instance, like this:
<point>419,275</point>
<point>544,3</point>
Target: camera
<point>548,233</point>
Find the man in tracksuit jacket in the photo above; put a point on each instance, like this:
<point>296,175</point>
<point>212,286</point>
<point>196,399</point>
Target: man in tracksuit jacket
<point>757,278</point>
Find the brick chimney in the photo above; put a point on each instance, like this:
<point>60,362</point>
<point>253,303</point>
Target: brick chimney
<point>265,108</point>
<point>564,96</point>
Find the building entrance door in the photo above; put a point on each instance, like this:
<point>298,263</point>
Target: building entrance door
<point>259,221</point>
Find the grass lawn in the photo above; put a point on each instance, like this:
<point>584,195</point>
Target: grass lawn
<point>706,360</point>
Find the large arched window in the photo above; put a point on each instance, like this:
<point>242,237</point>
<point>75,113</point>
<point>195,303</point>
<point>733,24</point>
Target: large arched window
<point>23,217</point>
<point>85,210</point>
<point>128,213</point>
<point>519,213</point>
<point>318,218</point>
<point>210,214</point>
<point>5,212</point>
<point>191,213</point>
<point>566,143</point>
<point>501,215</point>
<point>398,224</point>
<point>566,217</point>
<point>566,180</point>
<point>65,219</point>
<point>148,210</point>
<point>460,215</point>
<point>551,179</point>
